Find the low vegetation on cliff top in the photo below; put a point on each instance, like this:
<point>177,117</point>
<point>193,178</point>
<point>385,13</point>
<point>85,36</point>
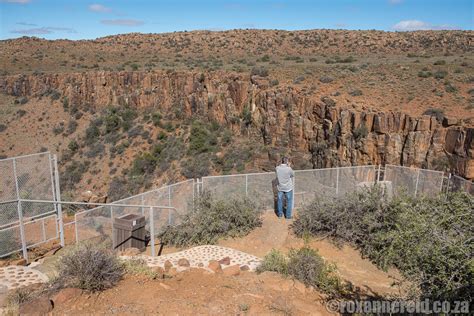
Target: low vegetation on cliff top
<point>213,219</point>
<point>428,239</point>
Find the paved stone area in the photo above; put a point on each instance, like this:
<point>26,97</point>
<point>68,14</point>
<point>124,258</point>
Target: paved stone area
<point>13,277</point>
<point>200,256</point>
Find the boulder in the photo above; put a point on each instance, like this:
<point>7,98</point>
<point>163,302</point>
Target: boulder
<point>215,266</point>
<point>18,262</point>
<point>65,295</point>
<point>225,261</point>
<point>168,265</point>
<point>38,306</point>
<point>183,262</point>
<point>245,268</point>
<point>232,270</point>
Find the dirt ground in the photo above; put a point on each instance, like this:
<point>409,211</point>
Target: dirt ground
<point>200,293</point>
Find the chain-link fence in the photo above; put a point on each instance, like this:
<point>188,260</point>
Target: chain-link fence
<point>30,206</point>
<point>25,224</point>
<point>165,205</point>
<point>456,184</point>
<point>414,181</point>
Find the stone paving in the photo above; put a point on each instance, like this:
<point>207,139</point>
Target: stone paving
<point>200,256</point>
<point>13,277</point>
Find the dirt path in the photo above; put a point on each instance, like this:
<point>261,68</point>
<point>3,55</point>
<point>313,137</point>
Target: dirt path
<point>275,233</point>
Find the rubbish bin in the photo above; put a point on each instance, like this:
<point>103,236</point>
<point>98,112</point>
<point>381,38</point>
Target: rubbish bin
<point>129,232</point>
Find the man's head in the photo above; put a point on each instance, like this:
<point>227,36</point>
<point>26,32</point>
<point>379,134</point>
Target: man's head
<point>284,160</point>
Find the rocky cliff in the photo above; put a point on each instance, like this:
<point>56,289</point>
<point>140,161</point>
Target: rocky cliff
<point>315,129</point>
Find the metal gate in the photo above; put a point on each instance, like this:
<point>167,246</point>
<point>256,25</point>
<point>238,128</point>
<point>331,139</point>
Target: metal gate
<point>25,224</point>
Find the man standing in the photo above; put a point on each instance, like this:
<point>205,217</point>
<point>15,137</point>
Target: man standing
<point>285,176</point>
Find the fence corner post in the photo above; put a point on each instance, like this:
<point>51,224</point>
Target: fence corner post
<point>152,232</point>
<point>58,200</point>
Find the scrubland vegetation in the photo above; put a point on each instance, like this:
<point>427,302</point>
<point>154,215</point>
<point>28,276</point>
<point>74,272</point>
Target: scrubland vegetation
<point>428,239</point>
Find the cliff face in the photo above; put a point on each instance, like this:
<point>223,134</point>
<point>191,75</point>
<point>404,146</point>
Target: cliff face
<point>316,130</point>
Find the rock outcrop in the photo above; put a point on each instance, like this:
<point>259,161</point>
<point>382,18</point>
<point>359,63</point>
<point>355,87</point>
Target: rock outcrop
<point>316,130</point>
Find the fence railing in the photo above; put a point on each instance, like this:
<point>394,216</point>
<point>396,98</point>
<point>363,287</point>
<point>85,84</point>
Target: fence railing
<point>31,207</point>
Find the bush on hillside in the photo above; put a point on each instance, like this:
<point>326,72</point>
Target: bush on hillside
<point>429,239</point>
<point>89,267</point>
<point>305,265</point>
<point>213,219</point>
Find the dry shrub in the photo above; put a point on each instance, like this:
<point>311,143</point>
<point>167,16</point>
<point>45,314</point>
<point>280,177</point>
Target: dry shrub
<point>89,267</point>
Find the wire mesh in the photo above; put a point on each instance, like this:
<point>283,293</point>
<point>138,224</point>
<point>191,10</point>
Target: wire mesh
<point>414,181</point>
<point>31,178</point>
<point>261,188</point>
<point>95,223</point>
<point>403,179</point>
<point>458,184</point>
<point>310,184</point>
<point>224,187</point>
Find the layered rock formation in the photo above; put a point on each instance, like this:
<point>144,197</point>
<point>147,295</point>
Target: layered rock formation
<point>316,130</point>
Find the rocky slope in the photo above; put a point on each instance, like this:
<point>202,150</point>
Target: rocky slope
<point>315,129</point>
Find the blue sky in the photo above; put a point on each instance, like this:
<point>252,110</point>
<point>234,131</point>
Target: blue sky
<point>79,19</point>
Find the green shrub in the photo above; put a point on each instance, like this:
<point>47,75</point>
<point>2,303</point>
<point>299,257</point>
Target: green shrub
<point>306,266</point>
<point>214,219</point>
<point>437,113</point>
<point>440,74</point>
<point>3,127</point>
<point>89,267</point>
<point>259,71</point>
<point>139,267</point>
<point>274,261</point>
<point>201,139</point>
<point>73,146</point>
<point>424,74</point>
<point>429,239</point>
<point>143,164</point>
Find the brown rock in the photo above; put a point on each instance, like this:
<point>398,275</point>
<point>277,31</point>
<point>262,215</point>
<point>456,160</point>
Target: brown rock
<point>215,266</point>
<point>159,271</point>
<point>245,268</point>
<point>225,261</point>
<point>232,270</point>
<point>18,262</point>
<point>172,272</point>
<point>65,295</point>
<point>168,265</point>
<point>183,262</point>
<point>39,306</point>
<point>450,121</point>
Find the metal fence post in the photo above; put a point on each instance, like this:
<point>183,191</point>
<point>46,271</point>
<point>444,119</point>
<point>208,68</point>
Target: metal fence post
<point>416,184</point>
<point>378,175</point>
<point>53,188</point>
<point>169,195</point>
<point>143,203</point>
<point>246,185</point>
<point>337,181</point>
<point>58,197</point>
<point>76,228</point>
<point>152,232</point>
<point>20,214</point>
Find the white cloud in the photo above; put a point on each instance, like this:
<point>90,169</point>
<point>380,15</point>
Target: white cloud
<point>16,1</point>
<point>99,8</point>
<point>123,22</point>
<point>26,24</point>
<point>43,30</point>
<point>417,25</point>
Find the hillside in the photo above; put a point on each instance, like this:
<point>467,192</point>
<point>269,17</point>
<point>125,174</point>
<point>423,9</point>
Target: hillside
<point>132,111</point>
